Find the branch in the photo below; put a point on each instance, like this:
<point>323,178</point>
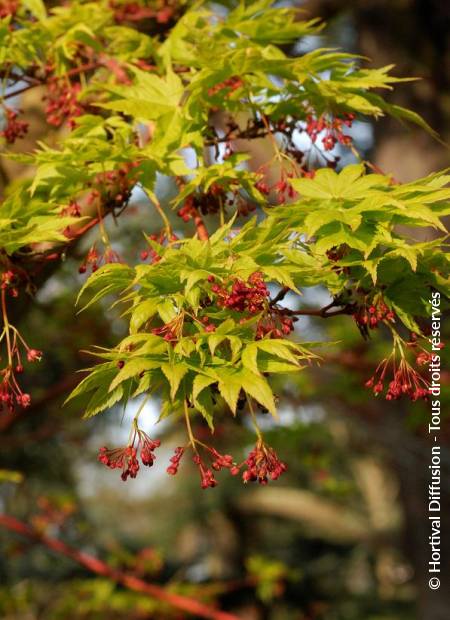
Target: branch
<point>324,312</point>
<point>99,567</point>
<point>202,231</point>
<point>54,78</point>
<point>280,295</point>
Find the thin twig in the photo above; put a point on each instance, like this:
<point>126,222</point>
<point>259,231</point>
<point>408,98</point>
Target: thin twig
<point>99,567</point>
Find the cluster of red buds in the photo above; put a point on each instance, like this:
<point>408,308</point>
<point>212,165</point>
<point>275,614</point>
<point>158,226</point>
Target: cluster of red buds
<point>207,479</point>
<point>175,461</point>
<point>217,462</point>
<point>126,458</point>
<point>94,259</point>
<point>134,12</point>
<point>11,393</point>
<point>333,128</point>
<point>405,380</point>
<point>14,128</point>
<point>370,316</point>
<point>262,464</point>
<point>282,189</point>
<point>188,210</point>
<point>9,282</point>
<point>275,324</point>
<point>62,102</point>
<point>229,85</point>
<point>250,296</point>
<point>115,186</point>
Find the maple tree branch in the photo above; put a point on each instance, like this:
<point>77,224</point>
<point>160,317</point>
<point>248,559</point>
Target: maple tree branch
<point>325,313</point>
<point>202,231</point>
<point>280,295</point>
<point>320,312</point>
<point>53,78</point>
<point>99,567</point>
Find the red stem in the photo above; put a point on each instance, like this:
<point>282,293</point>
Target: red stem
<point>100,568</point>
<point>202,231</point>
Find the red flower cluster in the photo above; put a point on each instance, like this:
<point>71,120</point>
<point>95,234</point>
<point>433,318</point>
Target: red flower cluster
<point>207,479</point>
<point>175,461</point>
<point>263,464</point>
<point>333,128</point>
<point>9,281</point>
<point>14,128</point>
<point>10,392</point>
<point>62,102</point>
<point>275,324</point>
<point>115,186</point>
<point>374,314</point>
<point>283,189</point>
<point>250,296</point>
<point>126,458</point>
<point>405,380</point>
<point>94,260</point>
<point>218,462</point>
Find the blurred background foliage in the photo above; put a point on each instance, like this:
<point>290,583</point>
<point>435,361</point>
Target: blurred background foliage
<point>344,535</point>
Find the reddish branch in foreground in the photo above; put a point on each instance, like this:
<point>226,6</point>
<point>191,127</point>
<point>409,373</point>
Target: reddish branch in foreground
<point>99,567</point>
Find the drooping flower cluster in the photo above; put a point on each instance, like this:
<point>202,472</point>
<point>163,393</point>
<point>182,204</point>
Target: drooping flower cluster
<point>175,461</point>
<point>262,464</point>
<point>369,317</point>
<point>9,282</point>
<point>250,296</point>
<point>275,324</point>
<point>282,188</point>
<point>62,102</point>
<point>405,380</point>
<point>126,458</point>
<point>13,127</point>
<point>217,462</point>
<point>332,127</point>
<point>113,188</point>
<point>95,259</point>
<point>11,394</point>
